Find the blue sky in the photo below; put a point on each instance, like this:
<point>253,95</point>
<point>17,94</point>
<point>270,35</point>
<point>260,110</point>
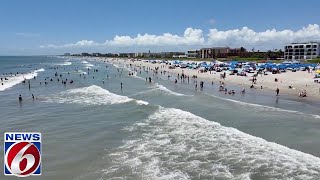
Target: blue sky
<point>54,27</point>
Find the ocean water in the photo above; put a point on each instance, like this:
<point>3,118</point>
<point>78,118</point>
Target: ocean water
<point>93,129</point>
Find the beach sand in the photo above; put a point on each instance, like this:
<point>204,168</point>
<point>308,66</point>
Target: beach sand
<point>300,80</point>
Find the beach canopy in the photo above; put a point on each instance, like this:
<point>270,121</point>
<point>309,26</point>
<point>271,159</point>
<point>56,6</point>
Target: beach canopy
<point>176,62</point>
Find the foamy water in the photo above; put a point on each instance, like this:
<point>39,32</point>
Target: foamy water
<point>66,63</point>
<point>175,144</point>
<point>167,91</point>
<point>14,80</point>
<point>91,95</point>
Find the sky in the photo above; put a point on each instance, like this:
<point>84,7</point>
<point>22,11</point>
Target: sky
<point>37,27</point>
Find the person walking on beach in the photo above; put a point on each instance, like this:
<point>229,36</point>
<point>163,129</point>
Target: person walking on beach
<point>277,91</point>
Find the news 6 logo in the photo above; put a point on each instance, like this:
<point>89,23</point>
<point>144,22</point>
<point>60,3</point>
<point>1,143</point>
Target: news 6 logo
<point>22,154</point>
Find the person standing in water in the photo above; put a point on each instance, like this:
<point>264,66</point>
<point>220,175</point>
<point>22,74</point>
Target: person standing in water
<point>20,98</point>
<point>121,86</point>
<point>277,91</point>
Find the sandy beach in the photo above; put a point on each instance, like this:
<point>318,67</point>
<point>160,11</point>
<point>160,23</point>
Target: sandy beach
<point>300,80</point>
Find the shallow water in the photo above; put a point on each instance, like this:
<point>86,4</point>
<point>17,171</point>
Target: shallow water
<point>162,130</point>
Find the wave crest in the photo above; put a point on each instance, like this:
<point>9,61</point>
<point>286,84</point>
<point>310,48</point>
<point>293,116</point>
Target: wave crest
<point>92,95</point>
<point>14,80</point>
<point>175,144</point>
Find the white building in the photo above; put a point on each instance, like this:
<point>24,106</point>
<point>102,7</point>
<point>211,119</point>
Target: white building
<point>301,51</point>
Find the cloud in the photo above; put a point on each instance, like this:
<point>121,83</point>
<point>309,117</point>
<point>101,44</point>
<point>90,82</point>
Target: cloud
<point>190,37</point>
<point>244,37</point>
<point>82,43</point>
<point>24,34</point>
<point>268,39</point>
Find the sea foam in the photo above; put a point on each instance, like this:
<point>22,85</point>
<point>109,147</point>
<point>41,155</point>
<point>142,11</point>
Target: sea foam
<point>175,144</point>
<point>167,91</point>
<point>14,80</point>
<point>91,95</point>
<point>67,63</point>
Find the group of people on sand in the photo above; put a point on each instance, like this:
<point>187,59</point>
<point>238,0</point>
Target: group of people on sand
<point>183,77</point>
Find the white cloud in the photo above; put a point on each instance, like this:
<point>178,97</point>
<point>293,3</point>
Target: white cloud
<point>190,37</point>
<point>268,39</point>
<point>82,43</point>
<point>244,37</point>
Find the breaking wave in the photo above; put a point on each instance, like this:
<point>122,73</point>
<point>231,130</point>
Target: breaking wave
<point>67,63</point>
<point>91,95</point>
<point>167,91</point>
<point>175,144</point>
<point>14,80</point>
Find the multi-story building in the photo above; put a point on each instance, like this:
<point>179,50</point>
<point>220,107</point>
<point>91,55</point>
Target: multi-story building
<point>218,52</point>
<point>171,54</point>
<point>193,54</point>
<point>128,55</point>
<point>301,51</point>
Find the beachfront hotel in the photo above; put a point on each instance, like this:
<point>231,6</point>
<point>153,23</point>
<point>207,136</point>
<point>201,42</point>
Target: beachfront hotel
<point>219,52</point>
<point>302,51</point>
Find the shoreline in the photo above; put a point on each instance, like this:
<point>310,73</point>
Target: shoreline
<point>301,80</point>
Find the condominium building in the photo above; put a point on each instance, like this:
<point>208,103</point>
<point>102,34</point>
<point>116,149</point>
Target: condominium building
<point>220,52</point>
<point>301,51</point>
<point>193,53</point>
